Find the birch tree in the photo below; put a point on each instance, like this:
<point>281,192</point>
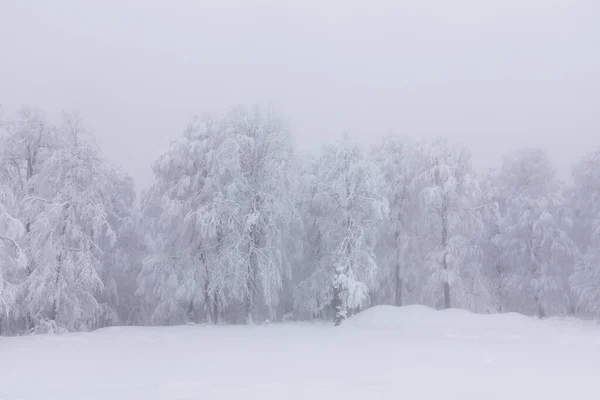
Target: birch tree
<point>12,257</point>
<point>186,211</point>
<point>70,234</point>
<point>25,145</point>
<point>350,204</point>
<point>264,210</point>
<point>586,203</point>
<point>223,215</point>
<point>399,232</point>
<point>541,249</point>
<point>313,295</point>
<point>496,244</point>
<point>448,196</point>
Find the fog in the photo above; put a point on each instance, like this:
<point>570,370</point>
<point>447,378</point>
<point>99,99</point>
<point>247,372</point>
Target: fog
<point>494,75</point>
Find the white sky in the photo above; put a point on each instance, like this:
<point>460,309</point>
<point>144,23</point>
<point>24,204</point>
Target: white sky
<point>496,75</point>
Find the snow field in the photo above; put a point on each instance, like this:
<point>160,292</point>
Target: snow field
<point>383,353</point>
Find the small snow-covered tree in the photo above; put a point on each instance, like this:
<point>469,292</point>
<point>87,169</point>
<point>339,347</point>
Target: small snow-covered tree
<point>540,249</point>
<point>349,204</point>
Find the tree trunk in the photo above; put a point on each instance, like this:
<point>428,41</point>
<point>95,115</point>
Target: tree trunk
<point>249,308</point>
<point>215,309</point>
<point>254,244</point>
<point>207,296</point>
<point>540,309</point>
<point>339,292</point>
<point>252,270</point>
<point>29,168</point>
<point>252,265</point>
<point>541,313</point>
<point>499,289</point>
<point>447,303</point>
<point>447,295</point>
<point>56,303</point>
<point>535,273</point>
<point>398,289</point>
<point>338,306</point>
<point>215,297</point>
<point>191,317</point>
<point>30,262</point>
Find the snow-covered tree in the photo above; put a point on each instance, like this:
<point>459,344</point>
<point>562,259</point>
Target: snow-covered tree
<point>349,204</point>
<point>189,211</point>
<point>222,215</point>
<point>262,199</point>
<point>123,265</point>
<point>71,233</point>
<point>397,243</point>
<point>495,244</point>
<point>541,251</point>
<point>449,198</point>
<point>586,204</point>
<point>26,143</point>
<point>119,257</point>
<point>313,293</point>
<point>237,227</point>
<point>12,258</point>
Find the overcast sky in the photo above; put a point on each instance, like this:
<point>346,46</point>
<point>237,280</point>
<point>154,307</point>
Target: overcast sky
<point>496,75</point>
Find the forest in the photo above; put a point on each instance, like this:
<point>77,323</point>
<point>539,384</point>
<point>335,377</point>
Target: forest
<point>239,228</point>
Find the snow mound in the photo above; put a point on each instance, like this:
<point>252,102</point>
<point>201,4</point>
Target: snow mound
<point>425,319</point>
<point>390,317</point>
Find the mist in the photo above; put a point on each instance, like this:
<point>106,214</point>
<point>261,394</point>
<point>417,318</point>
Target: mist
<point>390,199</point>
<point>495,76</point>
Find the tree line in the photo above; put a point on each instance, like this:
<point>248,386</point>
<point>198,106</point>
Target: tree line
<point>239,228</point>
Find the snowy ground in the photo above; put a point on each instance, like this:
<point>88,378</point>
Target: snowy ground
<point>383,353</point>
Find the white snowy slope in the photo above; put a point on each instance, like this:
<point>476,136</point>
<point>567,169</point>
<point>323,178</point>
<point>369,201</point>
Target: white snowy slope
<point>383,353</point>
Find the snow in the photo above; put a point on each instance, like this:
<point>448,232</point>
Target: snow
<point>383,353</point>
